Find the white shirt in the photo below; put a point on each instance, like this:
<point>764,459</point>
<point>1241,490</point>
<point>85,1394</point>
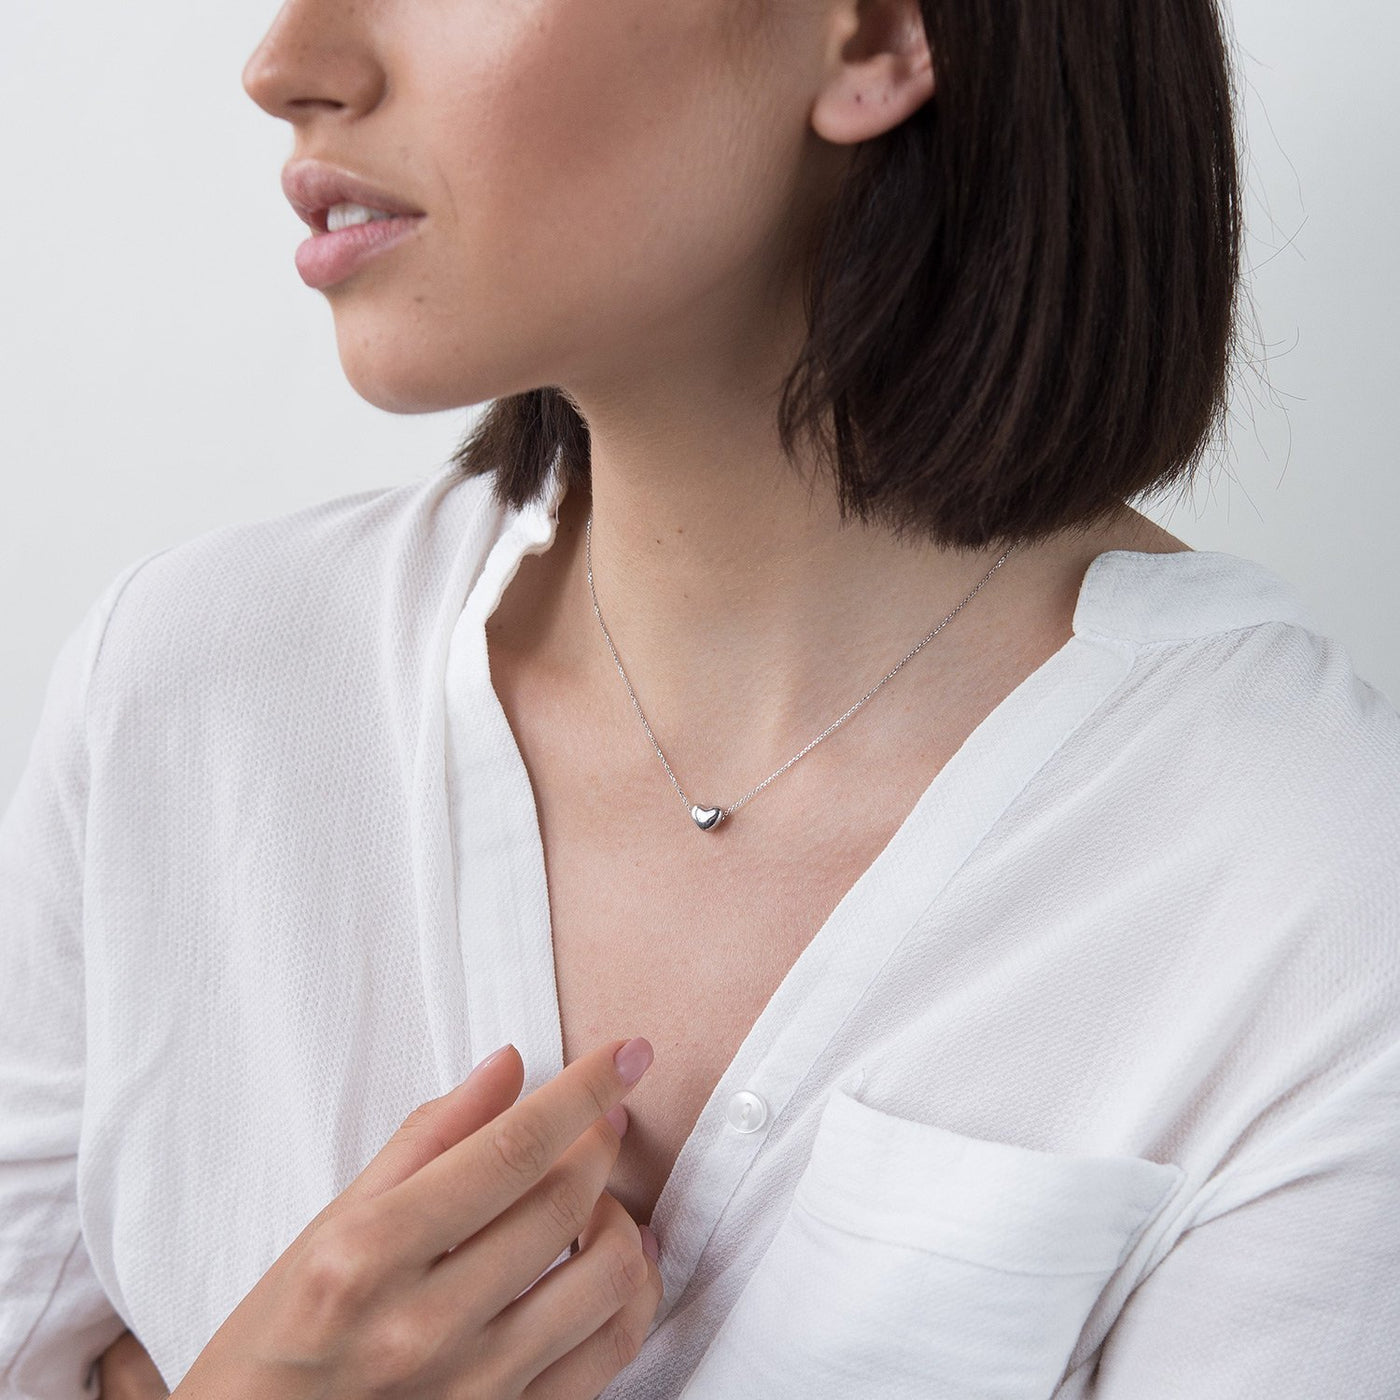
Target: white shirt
<point>1090,1085</point>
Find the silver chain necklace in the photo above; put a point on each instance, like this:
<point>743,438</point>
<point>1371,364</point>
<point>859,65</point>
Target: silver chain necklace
<point>707,818</point>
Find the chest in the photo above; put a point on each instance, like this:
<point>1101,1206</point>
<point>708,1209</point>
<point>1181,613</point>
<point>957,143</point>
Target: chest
<point>683,936</point>
<point>660,943</point>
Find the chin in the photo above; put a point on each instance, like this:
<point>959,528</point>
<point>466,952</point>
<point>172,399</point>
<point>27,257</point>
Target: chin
<point>394,397</point>
<point>404,385</point>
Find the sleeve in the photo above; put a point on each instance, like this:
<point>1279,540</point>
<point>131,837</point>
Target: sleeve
<point>1287,1283</point>
<point>1282,1278</point>
<point>55,1318</point>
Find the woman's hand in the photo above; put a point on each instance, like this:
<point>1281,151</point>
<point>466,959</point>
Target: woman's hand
<point>127,1373</point>
<point>423,1277</point>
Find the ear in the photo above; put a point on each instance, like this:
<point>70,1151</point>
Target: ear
<point>880,70</point>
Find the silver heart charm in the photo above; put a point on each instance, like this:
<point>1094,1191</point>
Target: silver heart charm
<point>706,818</point>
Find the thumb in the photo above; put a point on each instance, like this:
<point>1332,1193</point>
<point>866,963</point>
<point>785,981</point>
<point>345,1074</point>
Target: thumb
<point>434,1126</point>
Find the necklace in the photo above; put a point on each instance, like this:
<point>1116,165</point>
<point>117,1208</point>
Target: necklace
<point>707,818</point>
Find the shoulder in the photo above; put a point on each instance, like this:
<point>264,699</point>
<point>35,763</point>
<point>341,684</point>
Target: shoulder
<point>1285,701</point>
<point>1271,768</point>
<point>1240,743</point>
<point>324,543</point>
<point>1323,746</point>
<point>296,584</point>
<point>1229,671</point>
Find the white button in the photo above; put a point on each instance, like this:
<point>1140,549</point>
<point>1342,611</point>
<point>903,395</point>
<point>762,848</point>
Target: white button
<point>747,1113</point>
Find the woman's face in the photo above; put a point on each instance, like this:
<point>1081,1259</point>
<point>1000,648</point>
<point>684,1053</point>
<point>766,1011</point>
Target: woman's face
<point>612,189</point>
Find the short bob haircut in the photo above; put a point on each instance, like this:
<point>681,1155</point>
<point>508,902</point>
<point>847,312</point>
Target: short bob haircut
<point>1021,307</point>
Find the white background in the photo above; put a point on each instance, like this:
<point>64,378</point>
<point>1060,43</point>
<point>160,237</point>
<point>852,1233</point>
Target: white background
<point>165,371</point>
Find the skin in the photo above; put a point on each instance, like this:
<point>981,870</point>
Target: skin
<point>430,1273</point>
<point>615,197</point>
<point>617,200</point>
<point>126,1372</point>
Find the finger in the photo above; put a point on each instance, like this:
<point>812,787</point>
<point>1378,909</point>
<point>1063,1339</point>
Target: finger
<point>465,1188</point>
<point>492,1086</point>
<point>504,1258</point>
<point>441,1123</point>
<point>128,1373</point>
<point>590,1365</point>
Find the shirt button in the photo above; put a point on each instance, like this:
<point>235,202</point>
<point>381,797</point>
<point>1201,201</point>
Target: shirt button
<point>747,1112</point>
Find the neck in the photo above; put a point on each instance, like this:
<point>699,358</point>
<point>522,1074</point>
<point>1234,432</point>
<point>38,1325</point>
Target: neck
<point>748,616</point>
<point>735,590</point>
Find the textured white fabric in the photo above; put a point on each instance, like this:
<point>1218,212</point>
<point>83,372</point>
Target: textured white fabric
<point>1089,1087</point>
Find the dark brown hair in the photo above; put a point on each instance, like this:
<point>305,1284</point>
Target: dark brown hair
<point>1021,307</point>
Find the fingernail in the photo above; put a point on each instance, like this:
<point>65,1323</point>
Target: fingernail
<point>617,1116</point>
<point>649,1244</point>
<point>489,1060</point>
<point>633,1060</point>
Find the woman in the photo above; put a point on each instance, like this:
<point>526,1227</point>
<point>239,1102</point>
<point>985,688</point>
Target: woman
<point>779,683</point>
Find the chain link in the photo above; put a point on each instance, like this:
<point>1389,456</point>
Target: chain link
<point>726,812</point>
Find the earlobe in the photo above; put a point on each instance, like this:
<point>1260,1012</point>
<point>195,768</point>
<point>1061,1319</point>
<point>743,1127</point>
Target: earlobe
<point>882,74</point>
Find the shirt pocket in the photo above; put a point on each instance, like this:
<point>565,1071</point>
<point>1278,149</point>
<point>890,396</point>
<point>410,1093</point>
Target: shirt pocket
<point>914,1261</point>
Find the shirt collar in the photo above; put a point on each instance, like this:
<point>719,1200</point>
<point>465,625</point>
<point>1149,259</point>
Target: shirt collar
<point>1177,596</point>
<point>1126,594</point>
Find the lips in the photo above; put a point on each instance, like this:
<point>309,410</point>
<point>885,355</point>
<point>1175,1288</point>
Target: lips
<point>312,187</point>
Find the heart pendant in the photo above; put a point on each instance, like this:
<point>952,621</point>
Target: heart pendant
<point>706,818</point>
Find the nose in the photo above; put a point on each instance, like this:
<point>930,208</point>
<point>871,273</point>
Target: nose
<point>314,58</point>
